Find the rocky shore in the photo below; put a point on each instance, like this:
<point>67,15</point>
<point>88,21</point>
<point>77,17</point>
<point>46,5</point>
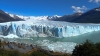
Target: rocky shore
<point>28,48</point>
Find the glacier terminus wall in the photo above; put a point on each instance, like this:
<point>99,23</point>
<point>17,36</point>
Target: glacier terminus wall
<point>46,28</point>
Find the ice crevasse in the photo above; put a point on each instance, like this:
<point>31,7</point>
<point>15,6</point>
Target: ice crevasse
<point>46,28</point>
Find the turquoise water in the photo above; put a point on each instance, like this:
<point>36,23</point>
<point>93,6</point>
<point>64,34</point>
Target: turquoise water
<point>93,36</point>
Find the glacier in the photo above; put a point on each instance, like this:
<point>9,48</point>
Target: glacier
<point>46,28</point>
<point>52,29</point>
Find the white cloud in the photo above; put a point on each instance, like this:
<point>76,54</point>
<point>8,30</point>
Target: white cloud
<point>79,9</point>
<point>90,0</point>
<point>95,1</point>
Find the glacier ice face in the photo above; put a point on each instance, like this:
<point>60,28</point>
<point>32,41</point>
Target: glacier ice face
<point>46,28</point>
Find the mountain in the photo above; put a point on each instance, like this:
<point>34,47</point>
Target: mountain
<point>15,17</point>
<point>91,16</point>
<point>44,18</point>
<point>68,18</point>
<point>4,17</point>
<point>31,18</point>
<point>53,17</point>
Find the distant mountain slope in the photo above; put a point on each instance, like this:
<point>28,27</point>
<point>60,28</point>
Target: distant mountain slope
<point>4,17</point>
<point>92,16</point>
<point>40,18</point>
<point>68,18</point>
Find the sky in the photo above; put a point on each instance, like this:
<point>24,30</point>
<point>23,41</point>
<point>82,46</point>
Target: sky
<point>47,7</point>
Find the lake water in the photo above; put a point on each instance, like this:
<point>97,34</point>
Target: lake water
<point>65,45</point>
<point>93,36</point>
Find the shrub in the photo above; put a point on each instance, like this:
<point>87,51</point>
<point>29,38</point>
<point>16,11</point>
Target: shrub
<point>86,49</point>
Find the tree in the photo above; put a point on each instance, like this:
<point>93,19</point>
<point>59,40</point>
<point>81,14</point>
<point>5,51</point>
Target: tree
<point>0,44</point>
<point>86,49</point>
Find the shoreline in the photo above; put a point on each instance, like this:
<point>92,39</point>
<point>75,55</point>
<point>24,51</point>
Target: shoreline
<point>27,48</point>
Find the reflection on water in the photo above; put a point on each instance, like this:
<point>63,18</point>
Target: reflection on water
<point>93,36</point>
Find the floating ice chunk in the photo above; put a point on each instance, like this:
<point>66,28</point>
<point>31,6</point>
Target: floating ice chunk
<point>65,47</point>
<point>11,36</point>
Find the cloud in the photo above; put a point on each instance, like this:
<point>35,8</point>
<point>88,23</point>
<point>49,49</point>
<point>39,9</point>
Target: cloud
<point>95,1</point>
<point>90,0</point>
<point>79,9</point>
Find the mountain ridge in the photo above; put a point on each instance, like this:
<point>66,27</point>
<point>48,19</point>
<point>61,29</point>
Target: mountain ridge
<point>4,17</point>
<point>91,16</point>
<point>68,18</point>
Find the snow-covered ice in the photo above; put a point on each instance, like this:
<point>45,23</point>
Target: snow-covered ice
<point>46,28</point>
<point>11,36</point>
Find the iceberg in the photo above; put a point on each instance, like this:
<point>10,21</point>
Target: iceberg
<point>46,28</point>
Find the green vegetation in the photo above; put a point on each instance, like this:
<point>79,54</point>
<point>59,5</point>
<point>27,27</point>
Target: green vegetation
<point>87,48</point>
<point>0,43</point>
<point>4,52</point>
<point>16,53</point>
